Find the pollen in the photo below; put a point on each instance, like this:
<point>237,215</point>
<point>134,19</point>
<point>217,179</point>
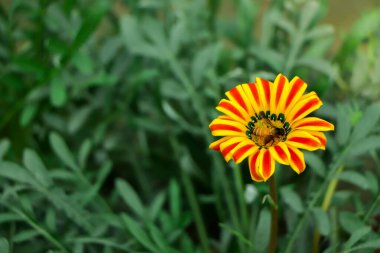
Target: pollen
<point>267,129</point>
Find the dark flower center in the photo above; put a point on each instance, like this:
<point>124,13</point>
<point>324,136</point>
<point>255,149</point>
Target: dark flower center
<point>267,129</point>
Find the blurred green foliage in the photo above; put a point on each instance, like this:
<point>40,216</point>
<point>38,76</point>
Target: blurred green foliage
<point>104,113</point>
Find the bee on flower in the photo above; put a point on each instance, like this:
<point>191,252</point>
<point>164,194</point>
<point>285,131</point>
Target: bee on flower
<point>267,122</point>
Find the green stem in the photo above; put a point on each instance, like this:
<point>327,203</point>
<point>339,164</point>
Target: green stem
<point>244,224</point>
<point>196,211</point>
<point>240,193</point>
<point>335,167</point>
<point>274,216</point>
<point>372,209</point>
<point>325,206</point>
<point>50,237</point>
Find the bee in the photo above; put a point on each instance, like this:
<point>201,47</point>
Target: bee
<point>267,133</point>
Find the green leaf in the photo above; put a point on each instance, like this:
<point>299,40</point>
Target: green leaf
<point>4,245</point>
<point>367,123</point>
<point>139,234</point>
<point>363,28</point>
<point>30,65</point>
<point>25,235</point>
<point>4,146</point>
<point>83,62</point>
<point>292,199</point>
<point>157,205</point>
<point>321,65</point>
<point>318,47</point>
<point>343,126</point>
<point>28,113</point>
<point>236,233</point>
<point>90,23</point>
<point>262,231</point>
<point>58,94</point>
<point>84,152</point>
<point>62,151</point>
<point>175,200</point>
<point>322,220</point>
<point>8,218</point>
<point>203,61</point>
<point>372,182</point>
<point>130,197</point>
<point>319,32</point>
<point>365,145</point>
<point>94,189</point>
<point>350,222</point>
<point>308,13</point>
<point>354,178</point>
<point>316,163</point>
<point>51,219</point>
<point>356,236</point>
<point>35,165</point>
<point>15,172</point>
<point>171,89</point>
<point>269,56</point>
<point>78,118</point>
<point>373,244</point>
<point>158,238</point>
<point>133,40</point>
<point>109,242</point>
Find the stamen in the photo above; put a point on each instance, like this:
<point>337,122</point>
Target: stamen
<point>281,117</point>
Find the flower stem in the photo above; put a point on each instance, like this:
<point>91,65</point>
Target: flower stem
<point>274,218</point>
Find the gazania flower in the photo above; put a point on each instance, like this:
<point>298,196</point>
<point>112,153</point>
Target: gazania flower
<point>266,122</point>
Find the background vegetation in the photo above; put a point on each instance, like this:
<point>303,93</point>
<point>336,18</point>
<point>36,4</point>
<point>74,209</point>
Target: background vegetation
<point>104,113</point>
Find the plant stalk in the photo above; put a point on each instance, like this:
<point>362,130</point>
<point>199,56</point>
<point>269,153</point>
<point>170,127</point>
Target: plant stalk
<point>274,216</point>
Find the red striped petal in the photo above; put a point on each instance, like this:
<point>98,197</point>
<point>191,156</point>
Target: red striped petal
<point>223,127</point>
<point>255,93</point>
<point>304,140</point>
<point>278,89</point>
<point>252,160</point>
<point>321,137</point>
<point>252,95</point>
<point>233,110</point>
<point>263,88</point>
<point>297,160</point>
<point>265,164</point>
<point>280,153</point>
<point>243,150</point>
<point>313,124</point>
<point>238,95</point>
<point>297,88</point>
<point>216,144</point>
<point>227,147</point>
<point>304,107</point>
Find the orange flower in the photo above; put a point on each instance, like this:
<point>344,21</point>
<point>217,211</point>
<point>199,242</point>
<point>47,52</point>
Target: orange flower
<point>267,123</point>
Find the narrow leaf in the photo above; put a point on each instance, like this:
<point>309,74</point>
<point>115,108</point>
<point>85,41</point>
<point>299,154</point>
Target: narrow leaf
<point>62,151</point>
<point>35,165</point>
<point>138,233</point>
<point>322,221</point>
<point>130,197</point>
